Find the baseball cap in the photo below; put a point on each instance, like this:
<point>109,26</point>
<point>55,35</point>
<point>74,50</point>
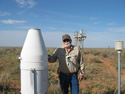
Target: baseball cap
<point>66,36</point>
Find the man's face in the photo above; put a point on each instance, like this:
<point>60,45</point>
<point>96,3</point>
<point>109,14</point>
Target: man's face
<point>67,43</point>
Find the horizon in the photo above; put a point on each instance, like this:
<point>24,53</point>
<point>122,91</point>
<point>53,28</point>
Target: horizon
<point>52,47</point>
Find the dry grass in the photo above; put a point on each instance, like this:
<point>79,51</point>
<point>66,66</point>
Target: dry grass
<point>98,78</point>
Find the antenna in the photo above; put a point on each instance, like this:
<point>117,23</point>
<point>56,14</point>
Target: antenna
<point>79,37</point>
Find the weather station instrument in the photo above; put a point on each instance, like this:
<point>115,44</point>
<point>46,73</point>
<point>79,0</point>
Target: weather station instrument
<point>79,37</point>
<point>119,47</point>
<point>34,64</point>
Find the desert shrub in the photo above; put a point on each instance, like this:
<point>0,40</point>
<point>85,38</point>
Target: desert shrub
<point>89,91</point>
<point>110,90</point>
<point>96,53</point>
<point>123,86</point>
<point>54,89</point>
<point>51,50</point>
<point>89,69</point>
<point>116,66</point>
<point>105,55</point>
<point>53,84</point>
<point>51,78</point>
<point>122,66</point>
<point>86,52</point>
<point>95,59</point>
<point>4,81</point>
<point>7,51</point>
<point>53,67</point>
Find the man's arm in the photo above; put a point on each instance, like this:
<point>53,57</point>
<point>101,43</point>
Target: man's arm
<point>82,66</point>
<point>53,58</point>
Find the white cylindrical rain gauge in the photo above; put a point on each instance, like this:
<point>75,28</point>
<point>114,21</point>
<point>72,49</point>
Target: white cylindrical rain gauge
<point>34,64</point>
<point>119,45</point>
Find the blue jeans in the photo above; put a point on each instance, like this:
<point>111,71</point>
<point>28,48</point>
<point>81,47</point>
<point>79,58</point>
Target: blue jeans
<point>67,81</point>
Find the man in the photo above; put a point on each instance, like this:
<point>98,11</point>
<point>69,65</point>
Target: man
<point>70,62</point>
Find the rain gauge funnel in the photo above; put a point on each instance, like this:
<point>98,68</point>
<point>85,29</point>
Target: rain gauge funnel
<point>34,64</point>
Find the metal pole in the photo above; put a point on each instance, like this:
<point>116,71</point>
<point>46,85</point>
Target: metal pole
<point>119,72</point>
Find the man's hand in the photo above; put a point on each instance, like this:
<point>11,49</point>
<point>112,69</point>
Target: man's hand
<point>80,77</point>
<point>48,57</point>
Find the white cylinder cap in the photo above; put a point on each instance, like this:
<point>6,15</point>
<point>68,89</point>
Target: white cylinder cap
<point>119,45</point>
<point>34,49</point>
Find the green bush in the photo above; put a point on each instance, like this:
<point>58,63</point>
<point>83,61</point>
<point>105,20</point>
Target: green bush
<point>95,59</point>
<point>96,53</point>
<point>105,55</point>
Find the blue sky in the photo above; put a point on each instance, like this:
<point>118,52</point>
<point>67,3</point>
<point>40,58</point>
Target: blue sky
<point>102,20</point>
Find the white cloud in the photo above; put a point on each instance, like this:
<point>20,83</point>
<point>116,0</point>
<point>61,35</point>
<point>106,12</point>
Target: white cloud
<point>10,21</point>
<point>113,23</point>
<point>21,2</point>
<point>4,14</point>
<point>119,29</point>
<point>26,3</point>
<point>31,3</point>
<point>94,19</point>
